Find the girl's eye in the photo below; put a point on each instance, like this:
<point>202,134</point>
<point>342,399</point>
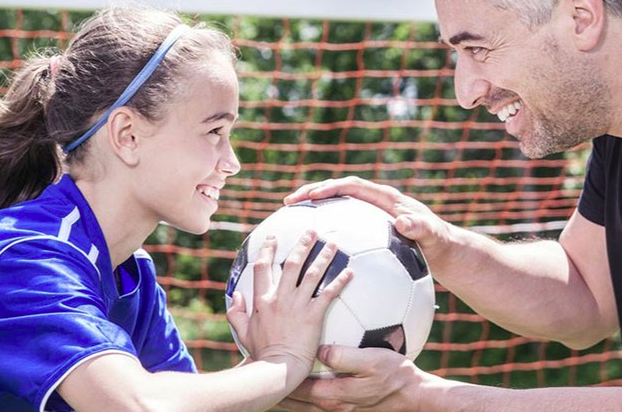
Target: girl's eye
<point>215,134</point>
<point>217,131</point>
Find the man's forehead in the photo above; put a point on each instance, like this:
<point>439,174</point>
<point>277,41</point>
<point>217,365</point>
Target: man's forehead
<point>468,20</point>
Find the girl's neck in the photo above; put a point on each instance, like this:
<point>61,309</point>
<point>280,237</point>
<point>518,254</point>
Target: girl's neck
<point>124,225</point>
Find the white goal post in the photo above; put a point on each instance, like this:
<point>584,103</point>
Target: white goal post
<point>367,10</point>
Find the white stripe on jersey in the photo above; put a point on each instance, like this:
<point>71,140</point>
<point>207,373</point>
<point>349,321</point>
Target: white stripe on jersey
<point>46,237</point>
<point>93,254</point>
<point>67,223</point>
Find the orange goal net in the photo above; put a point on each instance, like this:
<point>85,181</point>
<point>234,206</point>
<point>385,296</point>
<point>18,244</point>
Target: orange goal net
<point>325,99</point>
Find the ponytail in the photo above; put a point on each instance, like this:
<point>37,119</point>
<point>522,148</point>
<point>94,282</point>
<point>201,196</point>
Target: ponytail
<point>29,157</point>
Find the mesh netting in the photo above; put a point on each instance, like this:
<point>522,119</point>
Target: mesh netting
<point>325,99</point>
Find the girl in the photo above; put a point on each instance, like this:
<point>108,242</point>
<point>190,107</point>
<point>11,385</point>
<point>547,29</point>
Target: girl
<point>142,107</point>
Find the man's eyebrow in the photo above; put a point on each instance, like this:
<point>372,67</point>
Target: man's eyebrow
<point>459,38</point>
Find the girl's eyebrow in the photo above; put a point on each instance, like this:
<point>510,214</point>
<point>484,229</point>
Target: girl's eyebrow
<point>221,115</point>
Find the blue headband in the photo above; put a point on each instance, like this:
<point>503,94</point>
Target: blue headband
<point>133,87</point>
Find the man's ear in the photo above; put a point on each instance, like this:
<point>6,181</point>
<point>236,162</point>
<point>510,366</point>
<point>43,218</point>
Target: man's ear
<point>589,23</point>
<point>121,125</point>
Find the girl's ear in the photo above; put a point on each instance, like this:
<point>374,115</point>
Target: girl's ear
<point>121,125</point>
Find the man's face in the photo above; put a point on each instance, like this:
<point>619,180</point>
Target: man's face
<point>534,79</point>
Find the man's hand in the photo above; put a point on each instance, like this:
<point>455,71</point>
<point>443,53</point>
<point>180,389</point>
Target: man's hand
<point>370,379</point>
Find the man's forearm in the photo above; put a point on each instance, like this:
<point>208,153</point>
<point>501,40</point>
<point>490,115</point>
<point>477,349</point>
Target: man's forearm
<point>438,395</point>
<point>530,288</point>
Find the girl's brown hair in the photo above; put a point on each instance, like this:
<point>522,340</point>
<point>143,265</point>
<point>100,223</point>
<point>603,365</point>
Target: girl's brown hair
<point>49,105</point>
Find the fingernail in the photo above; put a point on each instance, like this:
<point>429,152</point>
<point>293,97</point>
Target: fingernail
<point>405,223</point>
<point>322,352</point>
<point>307,236</point>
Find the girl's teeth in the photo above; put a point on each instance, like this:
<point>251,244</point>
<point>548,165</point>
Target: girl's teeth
<point>211,193</point>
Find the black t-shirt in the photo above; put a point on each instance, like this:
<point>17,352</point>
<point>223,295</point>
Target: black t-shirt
<point>601,202</point>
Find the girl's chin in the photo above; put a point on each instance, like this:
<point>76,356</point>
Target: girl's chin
<point>197,228</point>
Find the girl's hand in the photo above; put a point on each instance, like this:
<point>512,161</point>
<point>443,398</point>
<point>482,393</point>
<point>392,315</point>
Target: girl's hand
<point>286,322</point>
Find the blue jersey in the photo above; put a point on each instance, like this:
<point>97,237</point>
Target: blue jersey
<point>60,304</point>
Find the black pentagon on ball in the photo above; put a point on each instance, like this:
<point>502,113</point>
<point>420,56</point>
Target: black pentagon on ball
<point>336,266</point>
<point>408,253</point>
<point>237,267</point>
<point>390,337</point>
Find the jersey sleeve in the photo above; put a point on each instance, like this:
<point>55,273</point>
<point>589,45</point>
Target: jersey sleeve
<point>592,200</point>
<point>161,348</point>
<point>52,318</point>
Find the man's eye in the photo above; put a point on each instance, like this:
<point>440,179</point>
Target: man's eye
<point>478,53</point>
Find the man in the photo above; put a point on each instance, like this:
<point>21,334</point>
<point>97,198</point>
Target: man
<point>549,69</point>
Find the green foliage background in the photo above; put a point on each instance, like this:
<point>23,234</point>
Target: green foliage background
<point>199,309</point>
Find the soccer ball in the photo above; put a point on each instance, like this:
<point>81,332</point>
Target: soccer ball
<point>390,301</point>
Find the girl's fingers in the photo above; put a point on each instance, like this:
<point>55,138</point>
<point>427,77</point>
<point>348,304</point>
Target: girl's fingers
<point>236,315</point>
<point>310,279</point>
<point>313,275</point>
<point>295,261</point>
<point>334,288</point>
<point>262,268</point>
<point>315,272</point>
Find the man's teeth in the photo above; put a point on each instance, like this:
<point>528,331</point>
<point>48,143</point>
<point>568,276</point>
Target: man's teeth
<point>211,192</point>
<point>508,111</point>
